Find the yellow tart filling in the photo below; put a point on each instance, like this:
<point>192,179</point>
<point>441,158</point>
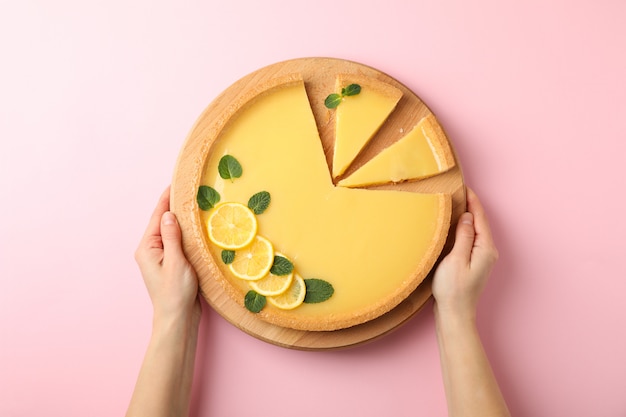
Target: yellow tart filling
<point>373,246</point>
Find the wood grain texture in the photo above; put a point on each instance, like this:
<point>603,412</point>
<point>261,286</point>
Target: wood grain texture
<point>319,75</point>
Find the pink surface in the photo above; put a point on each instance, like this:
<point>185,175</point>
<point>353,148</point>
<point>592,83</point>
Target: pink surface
<point>96,99</point>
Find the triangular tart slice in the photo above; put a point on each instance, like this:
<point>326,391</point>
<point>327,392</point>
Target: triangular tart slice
<point>358,117</point>
<point>423,152</point>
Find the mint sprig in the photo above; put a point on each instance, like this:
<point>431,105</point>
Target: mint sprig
<point>281,266</point>
<point>228,256</point>
<point>207,197</point>
<point>317,290</point>
<point>254,301</point>
<point>259,202</point>
<point>229,168</point>
<point>333,100</point>
<point>351,90</point>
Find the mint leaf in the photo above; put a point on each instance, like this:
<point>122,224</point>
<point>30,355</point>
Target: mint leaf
<point>317,290</point>
<point>254,301</point>
<point>228,256</point>
<point>351,90</point>
<point>281,266</point>
<point>259,202</point>
<point>229,167</point>
<point>207,197</point>
<point>332,101</point>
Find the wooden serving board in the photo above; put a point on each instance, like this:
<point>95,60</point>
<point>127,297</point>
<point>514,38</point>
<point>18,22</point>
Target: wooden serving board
<point>319,76</point>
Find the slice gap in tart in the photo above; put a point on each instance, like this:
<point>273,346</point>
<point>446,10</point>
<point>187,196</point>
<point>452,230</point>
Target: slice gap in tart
<point>358,117</point>
<point>422,153</point>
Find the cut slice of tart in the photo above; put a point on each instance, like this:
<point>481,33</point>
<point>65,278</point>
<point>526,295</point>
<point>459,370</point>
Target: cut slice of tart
<point>358,117</point>
<point>422,153</point>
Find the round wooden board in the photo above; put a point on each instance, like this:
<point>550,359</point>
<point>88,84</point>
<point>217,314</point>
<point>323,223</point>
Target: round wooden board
<point>319,77</point>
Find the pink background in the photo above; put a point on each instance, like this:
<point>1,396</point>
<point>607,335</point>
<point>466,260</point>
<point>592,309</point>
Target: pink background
<point>96,98</point>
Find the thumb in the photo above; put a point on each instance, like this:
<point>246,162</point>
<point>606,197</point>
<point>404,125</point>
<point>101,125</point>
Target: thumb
<point>465,233</point>
<point>170,234</point>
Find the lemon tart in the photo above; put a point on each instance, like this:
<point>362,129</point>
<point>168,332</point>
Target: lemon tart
<point>372,246</point>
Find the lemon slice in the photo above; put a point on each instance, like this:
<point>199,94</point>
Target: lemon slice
<point>254,261</point>
<point>232,226</point>
<point>293,297</point>
<point>272,284</point>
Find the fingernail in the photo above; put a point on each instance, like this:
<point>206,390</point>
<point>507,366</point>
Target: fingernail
<point>168,218</point>
<point>467,218</point>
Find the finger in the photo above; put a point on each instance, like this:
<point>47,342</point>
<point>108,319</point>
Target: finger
<point>481,224</point>
<point>171,236</point>
<point>152,235</point>
<point>464,238</point>
<point>150,249</point>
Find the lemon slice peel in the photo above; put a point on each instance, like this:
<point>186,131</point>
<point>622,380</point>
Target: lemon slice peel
<point>293,297</point>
